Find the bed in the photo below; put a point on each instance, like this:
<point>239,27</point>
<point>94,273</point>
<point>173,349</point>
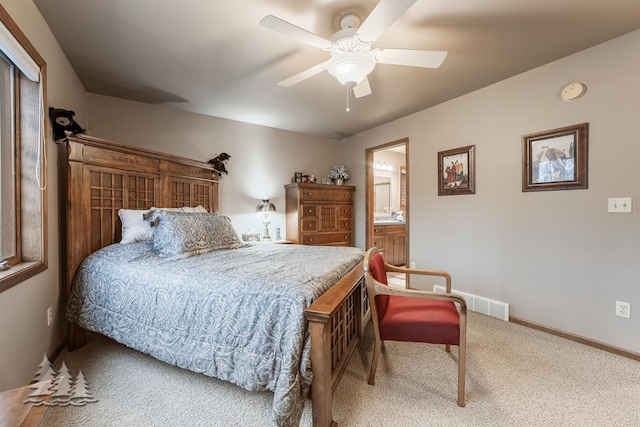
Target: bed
<point>324,302</point>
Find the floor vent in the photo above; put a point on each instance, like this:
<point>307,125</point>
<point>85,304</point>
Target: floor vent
<point>493,308</point>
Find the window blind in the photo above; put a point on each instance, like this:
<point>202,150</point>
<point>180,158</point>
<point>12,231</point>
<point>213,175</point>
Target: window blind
<point>16,53</point>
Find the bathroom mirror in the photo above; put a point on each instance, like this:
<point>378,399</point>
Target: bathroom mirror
<point>381,193</point>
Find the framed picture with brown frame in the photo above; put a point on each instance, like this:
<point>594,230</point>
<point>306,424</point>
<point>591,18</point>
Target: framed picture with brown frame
<point>556,159</point>
<point>457,171</point>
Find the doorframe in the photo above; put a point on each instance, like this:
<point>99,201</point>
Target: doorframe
<point>369,153</point>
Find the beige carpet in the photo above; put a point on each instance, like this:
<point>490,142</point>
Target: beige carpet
<point>516,377</point>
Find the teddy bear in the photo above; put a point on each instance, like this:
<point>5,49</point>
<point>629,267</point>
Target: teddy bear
<point>62,122</point>
<point>219,163</point>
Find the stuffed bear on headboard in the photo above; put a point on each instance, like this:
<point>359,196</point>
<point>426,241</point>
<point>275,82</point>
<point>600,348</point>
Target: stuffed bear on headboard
<point>62,122</point>
<point>219,163</point>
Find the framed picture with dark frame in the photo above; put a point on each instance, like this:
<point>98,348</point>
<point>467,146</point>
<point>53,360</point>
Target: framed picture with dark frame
<point>457,171</point>
<point>556,159</point>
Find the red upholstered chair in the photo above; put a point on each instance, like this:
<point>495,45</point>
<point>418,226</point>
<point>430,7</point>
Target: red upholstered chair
<point>415,316</point>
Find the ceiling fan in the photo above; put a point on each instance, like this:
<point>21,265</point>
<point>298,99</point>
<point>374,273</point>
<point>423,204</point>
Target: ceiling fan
<point>352,57</point>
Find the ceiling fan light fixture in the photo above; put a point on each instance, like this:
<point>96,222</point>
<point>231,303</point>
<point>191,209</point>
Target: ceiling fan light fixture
<point>350,68</point>
<point>352,58</point>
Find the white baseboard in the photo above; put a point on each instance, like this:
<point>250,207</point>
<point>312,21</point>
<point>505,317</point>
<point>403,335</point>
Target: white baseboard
<point>489,307</point>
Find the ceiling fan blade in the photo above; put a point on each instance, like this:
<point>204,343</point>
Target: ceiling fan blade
<point>362,88</point>
<point>276,24</point>
<point>316,69</point>
<point>411,58</point>
<point>381,17</point>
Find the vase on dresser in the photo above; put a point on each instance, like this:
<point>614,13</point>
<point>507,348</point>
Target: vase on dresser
<point>339,181</point>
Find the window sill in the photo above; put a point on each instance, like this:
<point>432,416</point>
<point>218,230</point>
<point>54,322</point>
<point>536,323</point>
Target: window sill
<point>19,273</point>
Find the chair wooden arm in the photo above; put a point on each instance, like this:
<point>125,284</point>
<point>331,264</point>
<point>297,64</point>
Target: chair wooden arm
<point>404,270</point>
<point>381,289</point>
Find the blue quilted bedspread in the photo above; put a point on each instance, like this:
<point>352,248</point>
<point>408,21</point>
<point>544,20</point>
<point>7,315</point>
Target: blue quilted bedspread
<point>237,314</point>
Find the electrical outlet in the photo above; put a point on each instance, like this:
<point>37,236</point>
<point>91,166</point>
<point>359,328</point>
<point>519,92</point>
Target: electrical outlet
<point>623,309</point>
<point>413,265</point>
<point>49,316</point>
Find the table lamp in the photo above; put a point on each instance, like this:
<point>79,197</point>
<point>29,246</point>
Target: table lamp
<point>265,208</point>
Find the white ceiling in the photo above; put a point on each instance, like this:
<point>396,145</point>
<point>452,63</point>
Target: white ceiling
<point>212,57</point>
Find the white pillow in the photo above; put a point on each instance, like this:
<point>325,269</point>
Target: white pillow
<point>198,208</point>
<point>134,227</point>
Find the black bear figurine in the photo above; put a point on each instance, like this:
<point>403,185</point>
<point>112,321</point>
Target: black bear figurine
<point>219,163</point>
<point>62,122</point>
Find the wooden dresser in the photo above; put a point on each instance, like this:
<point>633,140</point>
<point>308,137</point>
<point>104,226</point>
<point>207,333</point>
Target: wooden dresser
<point>320,214</point>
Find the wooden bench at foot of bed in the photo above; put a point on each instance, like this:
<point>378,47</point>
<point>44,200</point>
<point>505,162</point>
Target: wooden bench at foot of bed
<point>336,322</point>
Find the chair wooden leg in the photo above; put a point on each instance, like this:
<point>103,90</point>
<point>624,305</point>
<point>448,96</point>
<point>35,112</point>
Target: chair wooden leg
<point>462,367</point>
<point>462,357</point>
<point>374,361</point>
<point>447,347</point>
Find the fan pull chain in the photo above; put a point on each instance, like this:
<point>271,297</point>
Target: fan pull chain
<point>348,98</point>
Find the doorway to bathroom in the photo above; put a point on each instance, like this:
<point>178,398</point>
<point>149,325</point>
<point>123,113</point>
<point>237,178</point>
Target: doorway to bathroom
<point>387,200</point>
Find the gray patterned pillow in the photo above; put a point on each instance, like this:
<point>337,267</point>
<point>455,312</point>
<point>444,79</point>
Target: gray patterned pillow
<point>149,215</point>
<point>181,235</point>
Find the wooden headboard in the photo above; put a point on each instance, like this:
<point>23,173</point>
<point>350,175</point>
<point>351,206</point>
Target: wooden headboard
<point>98,177</point>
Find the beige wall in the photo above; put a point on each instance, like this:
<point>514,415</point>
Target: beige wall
<point>24,334</point>
<point>262,161</point>
<point>557,257</point>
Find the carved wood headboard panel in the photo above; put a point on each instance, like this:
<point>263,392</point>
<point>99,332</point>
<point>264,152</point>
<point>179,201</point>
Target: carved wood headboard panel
<point>98,177</point>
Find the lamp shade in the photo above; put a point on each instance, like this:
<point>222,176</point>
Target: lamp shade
<point>350,68</point>
<point>265,206</point>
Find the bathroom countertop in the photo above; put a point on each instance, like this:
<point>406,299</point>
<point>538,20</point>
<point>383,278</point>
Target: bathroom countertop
<point>389,222</point>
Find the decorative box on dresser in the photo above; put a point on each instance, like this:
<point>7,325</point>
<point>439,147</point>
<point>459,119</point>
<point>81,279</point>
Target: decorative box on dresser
<point>320,214</point>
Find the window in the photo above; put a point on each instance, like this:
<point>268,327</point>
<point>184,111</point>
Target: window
<point>22,157</point>
<point>8,166</point>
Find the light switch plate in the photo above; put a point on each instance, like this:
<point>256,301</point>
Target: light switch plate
<point>619,204</point>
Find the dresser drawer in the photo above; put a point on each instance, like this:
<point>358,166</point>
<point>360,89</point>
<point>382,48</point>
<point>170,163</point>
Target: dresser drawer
<point>344,224</point>
<point>308,211</point>
<point>309,225</point>
<point>326,238</point>
<point>326,195</point>
<point>345,211</point>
